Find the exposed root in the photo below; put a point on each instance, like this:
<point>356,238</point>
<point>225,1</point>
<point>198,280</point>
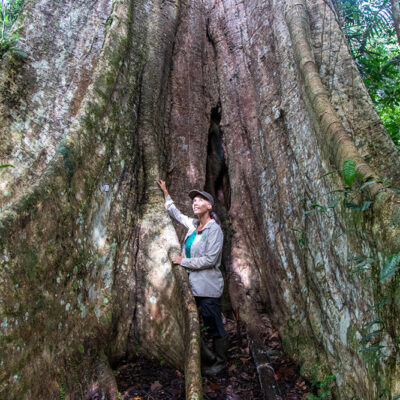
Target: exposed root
<point>340,145</point>
<point>339,142</point>
<point>265,371</point>
<point>193,381</point>
<point>106,383</point>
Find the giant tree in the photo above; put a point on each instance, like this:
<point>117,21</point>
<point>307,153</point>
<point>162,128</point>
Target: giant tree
<point>258,102</point>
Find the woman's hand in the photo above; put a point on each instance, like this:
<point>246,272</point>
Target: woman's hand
<point>176,259</point>
<point>163,187</point>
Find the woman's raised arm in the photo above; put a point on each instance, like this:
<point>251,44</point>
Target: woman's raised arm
<point>172,210</point>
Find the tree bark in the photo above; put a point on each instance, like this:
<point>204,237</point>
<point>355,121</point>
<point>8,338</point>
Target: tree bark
<point>396,18</point>
<point>253,101</point>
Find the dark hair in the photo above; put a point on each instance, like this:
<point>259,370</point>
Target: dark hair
<point>215,217</point>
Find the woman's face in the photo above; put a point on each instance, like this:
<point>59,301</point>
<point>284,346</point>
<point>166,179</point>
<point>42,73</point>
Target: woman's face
<point>200,206</point>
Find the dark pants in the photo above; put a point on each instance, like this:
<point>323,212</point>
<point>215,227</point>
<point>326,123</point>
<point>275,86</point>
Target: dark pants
<point>210,310</point>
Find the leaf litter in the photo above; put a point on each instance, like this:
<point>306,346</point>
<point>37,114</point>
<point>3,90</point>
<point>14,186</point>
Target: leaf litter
<point>145,379</point>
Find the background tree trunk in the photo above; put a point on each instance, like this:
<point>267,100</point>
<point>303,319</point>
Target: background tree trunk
<point>252,100</point>
<point>396,18</point>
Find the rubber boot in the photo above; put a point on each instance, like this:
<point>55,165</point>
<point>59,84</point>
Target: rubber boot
<point>221,349</point>
<point>207,356</point>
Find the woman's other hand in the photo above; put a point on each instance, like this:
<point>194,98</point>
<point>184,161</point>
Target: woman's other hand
<point>176,259</point>
<point>163,187</point>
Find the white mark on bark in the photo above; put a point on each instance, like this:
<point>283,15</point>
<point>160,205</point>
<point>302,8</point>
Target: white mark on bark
<point>344,325</point>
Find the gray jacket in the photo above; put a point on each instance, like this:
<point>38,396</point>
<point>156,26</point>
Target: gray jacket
<point>205,276</point>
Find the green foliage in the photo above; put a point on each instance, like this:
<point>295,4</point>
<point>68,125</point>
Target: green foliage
<point>9,13</point>
<point>380,69</point>
<point>358,207</point>
<point>316,208</point>
<point>349,172</point>
<point>369,29</point>
<point>62,391</point>
<point>391,266</point>
<point>369,336</point>
<point>363,266</point>
<point>323,388</point>
<point>364,21</point>
<point>8,45</point>
<point>347,195</point>
<point>302,236</point>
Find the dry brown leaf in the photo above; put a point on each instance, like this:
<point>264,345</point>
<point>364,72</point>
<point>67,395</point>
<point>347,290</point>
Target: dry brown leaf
<point>207,389</point>
<point>155,386</point>
<point>232,367</point>
<point>274,336</point>
<point>274,344</point>
<point>214,386</point>
<point>302,385</point>
<point>245,376</point>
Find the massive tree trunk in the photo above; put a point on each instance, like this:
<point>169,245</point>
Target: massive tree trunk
<point>252,100</point>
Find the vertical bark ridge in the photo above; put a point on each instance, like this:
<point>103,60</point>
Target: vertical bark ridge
<point>116,229</point>
<point>193,380</point>
<point>42,94</point>
<point>339,142</point>
<point>347,93</point>
<point>343,147</point>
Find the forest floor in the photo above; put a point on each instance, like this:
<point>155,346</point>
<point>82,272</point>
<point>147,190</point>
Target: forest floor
<point>143,379</point>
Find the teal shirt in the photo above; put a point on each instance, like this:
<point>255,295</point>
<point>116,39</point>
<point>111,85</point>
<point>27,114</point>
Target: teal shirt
<point>204,264</point>
<point>189,242</point>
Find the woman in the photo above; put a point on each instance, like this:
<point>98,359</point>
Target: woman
<point>201,256</point>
